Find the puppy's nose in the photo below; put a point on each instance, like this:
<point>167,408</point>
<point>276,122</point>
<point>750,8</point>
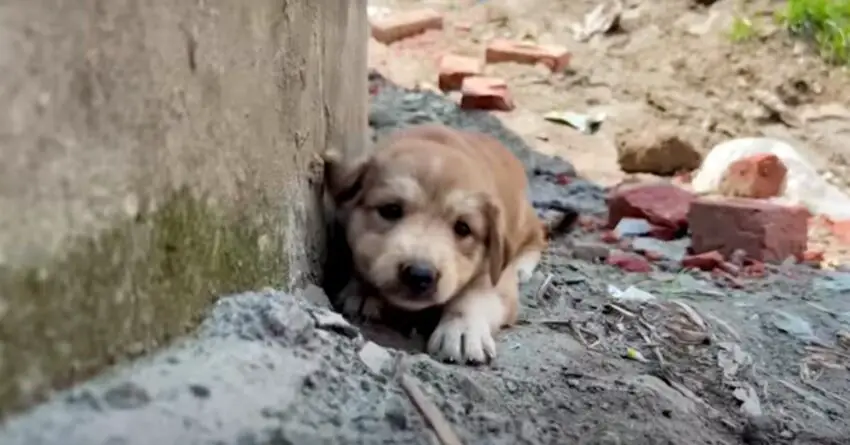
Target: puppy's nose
<point>418,276</point>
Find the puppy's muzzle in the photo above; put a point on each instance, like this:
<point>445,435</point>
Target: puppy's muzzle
<point>419,277</point>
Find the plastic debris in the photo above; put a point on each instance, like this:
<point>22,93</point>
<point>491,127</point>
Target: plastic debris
<point>604,18</point>
<point>793,325</point>
<point>587,124</point>
<point>731,358</point>
<point>750,403</point>
<point>632,227</point>
<point>630,294</point>
<point>634,354</point>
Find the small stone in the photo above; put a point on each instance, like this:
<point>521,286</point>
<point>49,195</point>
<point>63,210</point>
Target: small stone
<point>660,249</point>
<point>127,395</point>
<point>767,232</point>
<point>758,176</point>
<point>454,68</point>
<point>556,58</point>
<point>335,322</point>
<point>394,27</point>
<point>590,251</point>
<point>199,391</point>
<point>629,262</point>
<point>485,93</point>
<point>316,295</point>
<point>374,357</point>
<point>657,151</point>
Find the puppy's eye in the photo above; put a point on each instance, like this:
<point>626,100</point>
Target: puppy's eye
<point>462,229</point>
<point>391,212</point>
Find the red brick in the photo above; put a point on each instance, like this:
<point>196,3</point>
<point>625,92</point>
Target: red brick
<point>758,176</point>
<point>755,270</point>
<point>765,231</point>
<point>485,93</point>
<point>556,58</point>
<point>454,68</point>
<point>663,205</point>
<point>405,24</point>
<point>812,256</point>
<point>703,261</point>
<point>841,230</point>
<point>629,262</point>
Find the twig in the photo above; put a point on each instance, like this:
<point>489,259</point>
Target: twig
<point>828,394</point>
<point>430,411</point>
<point>544,286</point>
<point>652,345</point>
<point>621,310</point>
<point>577,331</point>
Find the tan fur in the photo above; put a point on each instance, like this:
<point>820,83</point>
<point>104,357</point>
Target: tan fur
<point>441,176</point>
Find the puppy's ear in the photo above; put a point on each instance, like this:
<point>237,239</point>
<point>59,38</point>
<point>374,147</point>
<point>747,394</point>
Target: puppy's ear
<point>497,254</point>
<point>344,179</point>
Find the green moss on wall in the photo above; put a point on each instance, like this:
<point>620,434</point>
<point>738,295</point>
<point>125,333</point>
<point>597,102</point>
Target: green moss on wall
<point>128,290</point>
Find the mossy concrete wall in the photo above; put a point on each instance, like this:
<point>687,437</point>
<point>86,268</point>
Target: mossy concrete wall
<point>155,155</point>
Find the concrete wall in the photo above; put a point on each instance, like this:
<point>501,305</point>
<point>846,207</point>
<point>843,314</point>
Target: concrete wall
<point>153,155</point>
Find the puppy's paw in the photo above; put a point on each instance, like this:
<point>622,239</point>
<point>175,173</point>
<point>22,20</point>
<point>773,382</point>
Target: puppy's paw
<point>463,339</point>
<point>362,308</point>
<point>332,157</point>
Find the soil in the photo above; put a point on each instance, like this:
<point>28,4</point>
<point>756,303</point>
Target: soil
<point>758,361</point>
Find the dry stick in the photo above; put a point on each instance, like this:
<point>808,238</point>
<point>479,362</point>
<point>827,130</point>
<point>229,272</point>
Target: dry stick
<point>430,411</point>
<point>544,286</point>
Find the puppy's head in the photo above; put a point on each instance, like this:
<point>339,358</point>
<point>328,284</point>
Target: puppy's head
<point>421,221</point>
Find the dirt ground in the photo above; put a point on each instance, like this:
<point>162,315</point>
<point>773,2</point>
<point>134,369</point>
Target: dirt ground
<point>700,362</point>
<point>675,64</point>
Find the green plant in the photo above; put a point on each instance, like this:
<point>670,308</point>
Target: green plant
<point>824,22</point>
<point>743,29</point>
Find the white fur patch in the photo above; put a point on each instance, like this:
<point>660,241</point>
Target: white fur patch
<point>526,264</point>
<point>465,334</point>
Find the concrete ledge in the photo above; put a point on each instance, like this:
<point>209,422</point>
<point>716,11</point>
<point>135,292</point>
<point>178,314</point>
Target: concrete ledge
<point>157,155</point>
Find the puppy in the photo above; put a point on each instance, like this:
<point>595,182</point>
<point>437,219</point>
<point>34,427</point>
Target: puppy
<point>439,217</point>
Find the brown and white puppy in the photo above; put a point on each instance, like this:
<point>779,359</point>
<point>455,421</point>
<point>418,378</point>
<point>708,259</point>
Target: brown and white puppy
<point>440,217</point>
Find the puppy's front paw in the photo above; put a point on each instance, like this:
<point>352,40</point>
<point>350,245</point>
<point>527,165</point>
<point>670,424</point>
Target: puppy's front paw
<point>362,308</point>
<point>463,339</point>
<point>332,157</point>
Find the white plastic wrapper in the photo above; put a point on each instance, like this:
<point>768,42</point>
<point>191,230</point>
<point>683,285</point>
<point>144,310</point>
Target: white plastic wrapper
<point>804,185</point>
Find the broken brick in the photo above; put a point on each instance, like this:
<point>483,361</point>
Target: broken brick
<point>609,237</point>
<point>485,93</point>
<point>556,58</point>
<point>405,24</point>
<point>454,68</point>
<point>629,262</point>
<point>703,261</point>
<point>811,256</point>
<point>755,270</point>
<point>758,176</point>
<point>663,205</point>
<point>765,231</point>
<point>841,229</point>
